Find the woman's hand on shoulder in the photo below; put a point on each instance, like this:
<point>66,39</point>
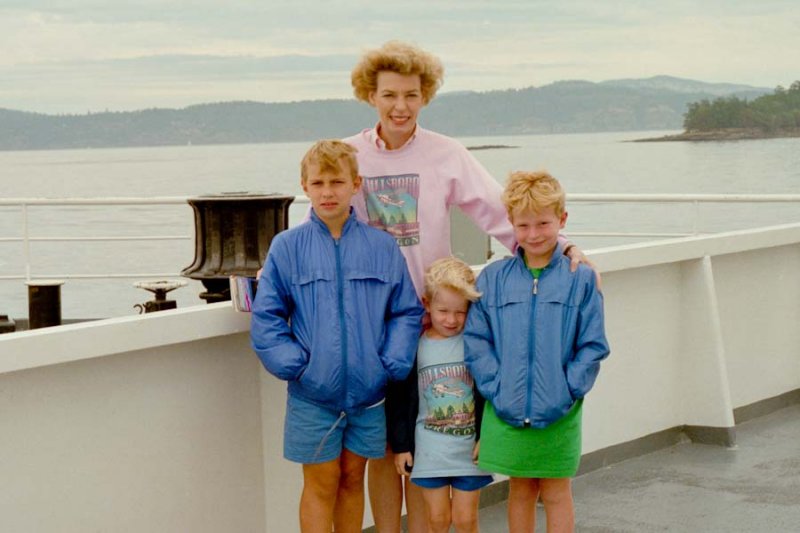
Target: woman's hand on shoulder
<point>576,256</point>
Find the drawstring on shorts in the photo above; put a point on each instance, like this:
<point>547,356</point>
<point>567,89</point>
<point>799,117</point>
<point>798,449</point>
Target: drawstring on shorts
<point>328,434</point>
<point>342,416</point>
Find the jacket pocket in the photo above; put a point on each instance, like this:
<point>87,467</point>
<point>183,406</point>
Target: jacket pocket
<point>316,307</point>
<point>366,278</point>
<point>509,313</point>
<point>307,278</point>
<point>507,298</point>
<point>375,287</point>
<point>368,298</point>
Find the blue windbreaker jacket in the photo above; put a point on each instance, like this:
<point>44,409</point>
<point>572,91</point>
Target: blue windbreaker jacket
<point>336,318</point>
<point>534,346</point>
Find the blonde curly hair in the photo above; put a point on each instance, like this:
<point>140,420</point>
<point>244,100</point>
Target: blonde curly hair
<point>533,191</point>
<point>402,58</point>
<point>450,273</point>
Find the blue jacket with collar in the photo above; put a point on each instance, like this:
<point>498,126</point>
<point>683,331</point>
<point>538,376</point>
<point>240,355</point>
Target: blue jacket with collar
<point>336,318</point>
<point>534,346</point>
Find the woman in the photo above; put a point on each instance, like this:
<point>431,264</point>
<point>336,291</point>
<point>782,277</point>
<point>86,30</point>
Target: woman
<point>410,179</point>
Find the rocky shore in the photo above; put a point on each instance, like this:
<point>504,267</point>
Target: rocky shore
<point>490,146</point>
<point>728,134</point>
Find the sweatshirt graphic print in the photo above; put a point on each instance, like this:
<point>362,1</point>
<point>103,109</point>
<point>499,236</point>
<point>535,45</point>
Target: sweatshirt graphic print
<point>392,206</point>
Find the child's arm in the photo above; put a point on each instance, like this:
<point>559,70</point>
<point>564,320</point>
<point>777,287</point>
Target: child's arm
<point>270,334</point>
<point>591,345</point>
<point>480,355</point>
<point>480,402</point>
<point>476,450</point>
<point>403,462</point>
<point>403,321</point>
<point>402,405</point>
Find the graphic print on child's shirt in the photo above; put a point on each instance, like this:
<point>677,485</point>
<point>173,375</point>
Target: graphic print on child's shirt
<point>447,390</point>
<point>392,206</point>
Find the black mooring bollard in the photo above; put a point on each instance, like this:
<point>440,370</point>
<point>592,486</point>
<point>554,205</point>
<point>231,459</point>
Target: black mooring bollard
<point>233,232</point>
<point>7,325</point>
<point>44,303</point>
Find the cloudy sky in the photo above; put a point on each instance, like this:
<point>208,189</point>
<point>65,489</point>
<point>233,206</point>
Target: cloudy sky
<point>75,56</point>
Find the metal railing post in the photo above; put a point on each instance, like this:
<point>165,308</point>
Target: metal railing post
<point>26,242</point>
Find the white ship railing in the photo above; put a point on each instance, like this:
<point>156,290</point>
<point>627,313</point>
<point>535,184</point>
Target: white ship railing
<point>696,200</point>
<point>167,421</point>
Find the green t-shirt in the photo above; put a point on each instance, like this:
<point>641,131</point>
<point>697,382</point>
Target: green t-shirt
<point>535,272</point>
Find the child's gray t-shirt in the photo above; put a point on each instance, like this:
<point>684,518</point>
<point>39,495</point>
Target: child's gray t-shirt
<point>445,428</point>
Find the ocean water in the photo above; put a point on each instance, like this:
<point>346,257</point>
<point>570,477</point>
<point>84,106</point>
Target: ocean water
<point>584,163</point>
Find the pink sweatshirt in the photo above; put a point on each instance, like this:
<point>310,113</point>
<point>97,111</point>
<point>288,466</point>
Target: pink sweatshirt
<point>408,193</point>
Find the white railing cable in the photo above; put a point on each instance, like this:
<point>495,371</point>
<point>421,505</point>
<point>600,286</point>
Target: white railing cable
<point>683,198</point>
<point>584,198</point>
<point>156,200</point>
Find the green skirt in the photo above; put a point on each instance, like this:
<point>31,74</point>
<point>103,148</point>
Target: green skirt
<point>551,452</point>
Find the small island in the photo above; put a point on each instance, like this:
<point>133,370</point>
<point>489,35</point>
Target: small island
<point>490,146</point>
<point>733,119</point>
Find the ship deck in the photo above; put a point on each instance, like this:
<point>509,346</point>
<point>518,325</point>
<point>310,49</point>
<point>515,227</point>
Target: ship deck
<point>752,486</point>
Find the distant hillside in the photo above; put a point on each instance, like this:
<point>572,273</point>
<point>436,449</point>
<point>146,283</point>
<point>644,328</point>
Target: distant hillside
<point>681,85</point>
<point>568,106</point>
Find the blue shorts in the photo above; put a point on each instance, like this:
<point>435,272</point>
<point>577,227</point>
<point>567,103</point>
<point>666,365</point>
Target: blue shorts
<point>464,483</point>
<point>314,434</point>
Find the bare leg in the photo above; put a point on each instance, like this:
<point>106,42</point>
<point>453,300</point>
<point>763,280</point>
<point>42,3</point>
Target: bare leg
<point>465,510</point>
<point>385,494</point>
<point>348,514</point>
<point>522,496</point>
<point>437,509</point>
<point>557,500</point>
<point>415,508</point>
<point>320,485</point>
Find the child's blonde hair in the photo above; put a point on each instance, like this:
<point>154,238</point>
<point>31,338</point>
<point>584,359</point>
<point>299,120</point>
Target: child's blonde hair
<point>533,191</point>
<point>402,58</point>
<point>327,153</point>
<point>450,273</point>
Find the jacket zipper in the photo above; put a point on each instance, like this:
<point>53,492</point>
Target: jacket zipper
<point>531,355</point>
<point>342,326</point>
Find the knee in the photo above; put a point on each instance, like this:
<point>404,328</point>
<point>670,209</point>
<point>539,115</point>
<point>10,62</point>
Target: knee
<point>352,479</point>
<point>439,520</point>
<point>558,493</point>
<point>524,488</point>
<point>323,486</point>
<point>465,521</point>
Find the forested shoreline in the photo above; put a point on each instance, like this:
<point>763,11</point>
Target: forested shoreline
<point>771,112</point>
<point>733,118</point>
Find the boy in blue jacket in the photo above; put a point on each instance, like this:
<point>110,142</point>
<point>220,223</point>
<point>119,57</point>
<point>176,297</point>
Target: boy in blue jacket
<point>533,343</point>
<point>336,315</point>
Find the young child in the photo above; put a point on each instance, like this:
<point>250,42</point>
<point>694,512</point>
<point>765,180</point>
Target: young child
<point>534,342</point>
<point>336,315</point>
<point>440,407</point>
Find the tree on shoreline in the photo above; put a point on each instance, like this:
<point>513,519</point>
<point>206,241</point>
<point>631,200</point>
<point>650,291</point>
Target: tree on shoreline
<point>771,112</point>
